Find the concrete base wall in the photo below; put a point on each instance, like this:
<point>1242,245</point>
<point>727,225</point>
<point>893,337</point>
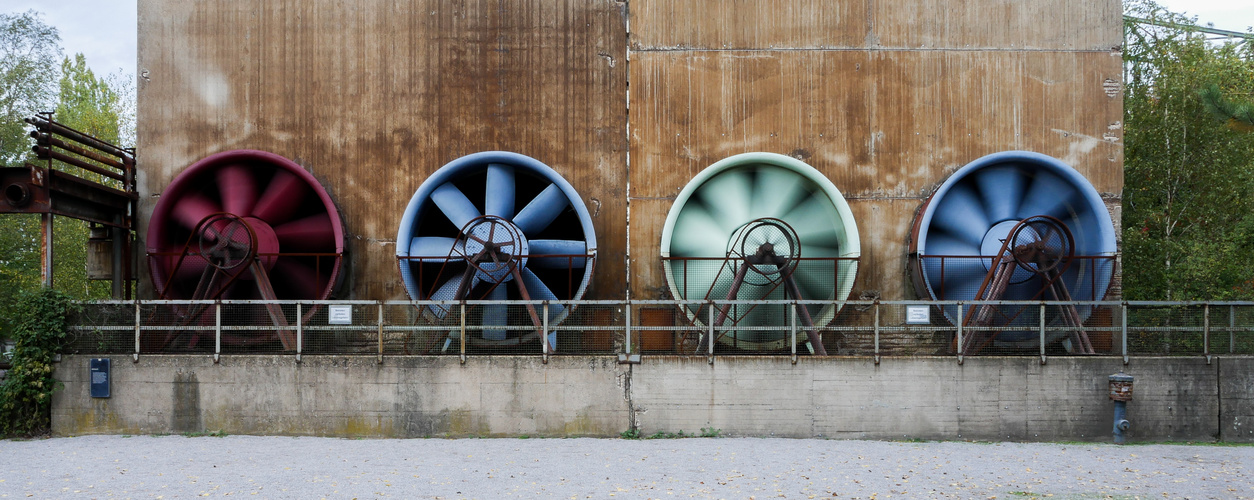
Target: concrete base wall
<point>986,398</point>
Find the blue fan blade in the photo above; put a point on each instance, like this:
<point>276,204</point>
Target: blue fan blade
<point>775,192</point>
<point>1001,189</point>
<point>944,244</point>
<point>698,234</point>
<point>447,291</point>
<point>961,214</point>
<point>454,204</point>
<point>562,252</point>
<point>539,291</point>
<point>436,249</point>
<point>541,211</point>
<point>955,278</point>
<point>495,314</point>
<point>499,192</point>
<point>1049,195</point>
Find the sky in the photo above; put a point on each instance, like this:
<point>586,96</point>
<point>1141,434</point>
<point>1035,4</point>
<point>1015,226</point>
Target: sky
<point>104,30</point>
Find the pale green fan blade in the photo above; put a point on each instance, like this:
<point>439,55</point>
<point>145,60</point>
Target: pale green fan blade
<point>814,221</point>
<point>698,234</point>
<point>728,195</point>
<point>775,191</point>
<point>693,279</point>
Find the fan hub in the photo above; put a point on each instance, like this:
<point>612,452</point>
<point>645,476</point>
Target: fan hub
<point>768,245</point>
<point>993,240</point>
<point>228,241</point>
<point>495,246</point>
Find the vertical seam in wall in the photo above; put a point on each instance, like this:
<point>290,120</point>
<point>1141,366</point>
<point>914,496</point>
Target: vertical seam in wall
<point>632,425</point>
<point>627,143</point>
<point>1219,399</point>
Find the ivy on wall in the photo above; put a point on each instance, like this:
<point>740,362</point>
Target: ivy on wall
<point>39,332</point>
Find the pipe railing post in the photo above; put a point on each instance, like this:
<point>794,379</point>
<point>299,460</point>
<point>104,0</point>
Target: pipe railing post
<point>217,330</point>
<point>1123,325</point>
<point>792,330</point>
<point>135,357</point>
<point>1042,327</point>
<point>627,329</point>
<point>877,331</point>
<point>544,333</point>
<point>1206,332</point>
<point>380,331</point>
<point>462,326</point>
<point>300,332</point>
<point>959,323</point>
<point>1232,329</point>
<point>710,323</point>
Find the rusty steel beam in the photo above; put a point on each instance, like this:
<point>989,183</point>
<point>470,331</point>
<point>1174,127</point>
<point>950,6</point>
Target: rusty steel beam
<point>47,152</point>
<point>49,140</point>
<point>47,124</point>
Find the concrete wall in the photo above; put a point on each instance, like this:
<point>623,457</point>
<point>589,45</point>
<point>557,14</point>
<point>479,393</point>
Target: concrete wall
<point>986,398</point>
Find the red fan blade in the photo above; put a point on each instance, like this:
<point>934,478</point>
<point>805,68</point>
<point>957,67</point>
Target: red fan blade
<point>193,208</point>
<point>237,188</point>
<point>301,281</point>
<point>282,198</point>
<point>310,234</point>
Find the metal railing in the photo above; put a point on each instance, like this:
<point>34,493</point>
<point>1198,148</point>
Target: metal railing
<point>631,328</point>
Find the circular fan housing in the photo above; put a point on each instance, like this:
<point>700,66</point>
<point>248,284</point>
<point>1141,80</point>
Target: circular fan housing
<point>482,217</point>
<point>257,200</point>
<point>735,206</point>
<point>962,226</point>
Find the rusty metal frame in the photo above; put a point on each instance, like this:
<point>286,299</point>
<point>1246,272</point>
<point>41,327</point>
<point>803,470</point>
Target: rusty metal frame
<point>45,190</point>
<point>694,317</point>
<point>472,263</point>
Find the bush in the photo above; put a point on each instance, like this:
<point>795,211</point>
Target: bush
<point>38,333</point>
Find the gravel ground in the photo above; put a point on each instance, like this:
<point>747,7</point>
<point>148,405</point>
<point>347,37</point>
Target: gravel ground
<point>305,467</point>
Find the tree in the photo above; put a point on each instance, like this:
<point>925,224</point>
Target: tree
<point>29,51</point>
<point>89,104</point>
<point>1237,115</point>
<point>102,107</point>
<point>1189,179</point>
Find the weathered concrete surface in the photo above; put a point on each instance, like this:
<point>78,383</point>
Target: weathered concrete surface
<point>347,396</point>
<point>1236,393</point>
<point>986,398</point>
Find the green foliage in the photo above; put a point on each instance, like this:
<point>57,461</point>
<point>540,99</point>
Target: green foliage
<point>26,394</point>
<point>29,50</point>
<point>710,432</point>
<point>216,434</point>
<point>1188,212</point>
<point>102,107</point>
<point>1237,115</point>
<point>630,434</point>
<point>87,102</point>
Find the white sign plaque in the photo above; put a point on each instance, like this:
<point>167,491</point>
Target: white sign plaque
<point>918,315</point>
<point>340,314</point>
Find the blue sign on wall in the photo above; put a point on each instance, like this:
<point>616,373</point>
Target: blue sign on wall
<point>99,377</point>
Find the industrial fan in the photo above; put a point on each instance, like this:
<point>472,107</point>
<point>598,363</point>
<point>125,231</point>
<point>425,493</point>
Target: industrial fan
<point>496,226</point>
<point>760,227</point>
<point>1014,225</point>
<point>244,225</point>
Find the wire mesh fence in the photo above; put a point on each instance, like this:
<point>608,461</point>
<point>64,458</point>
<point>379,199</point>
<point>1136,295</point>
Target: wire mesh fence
<point>683,328</point>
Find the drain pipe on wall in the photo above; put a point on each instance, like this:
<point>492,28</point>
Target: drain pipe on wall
<point>1121,393</point>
